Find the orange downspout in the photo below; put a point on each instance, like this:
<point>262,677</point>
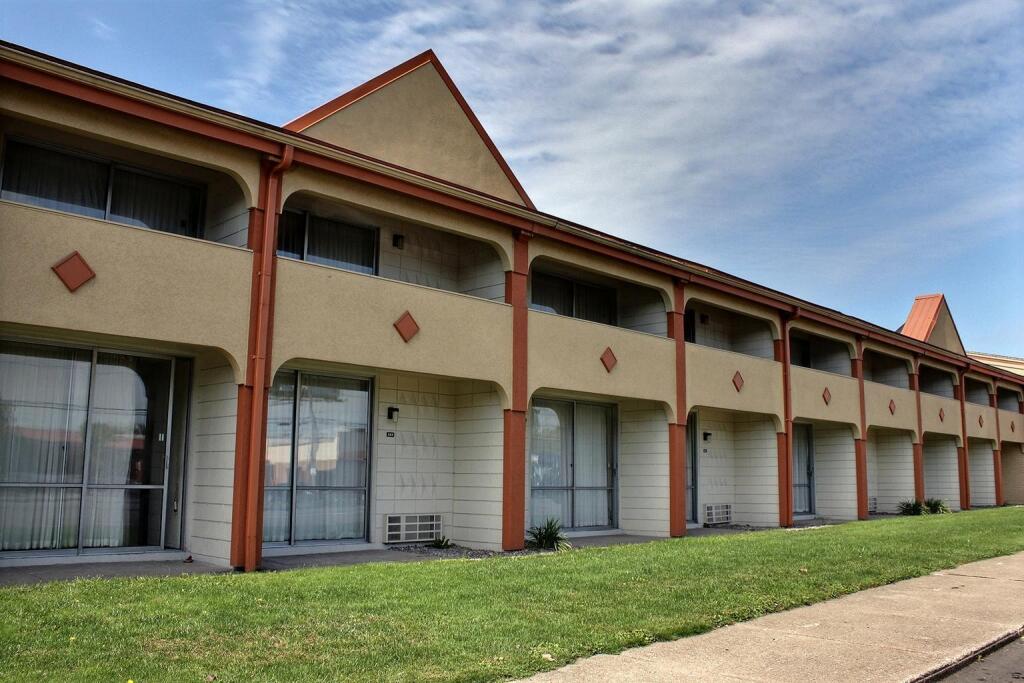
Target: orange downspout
<point>677,429</point>
<point>915,384</point>
<point>963,453</point>
<point>784,440</point>
<point>513,472</point>
<point>861,444</point>
<point>997,452</point>
<point>247,515</point>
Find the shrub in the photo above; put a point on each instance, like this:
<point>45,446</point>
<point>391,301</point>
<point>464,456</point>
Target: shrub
<point>912,507</point>
<point>548,536</point>
<point>441,542</point>
<point>936,506</point>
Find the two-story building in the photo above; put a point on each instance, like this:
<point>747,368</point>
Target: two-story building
<point>228,339</point>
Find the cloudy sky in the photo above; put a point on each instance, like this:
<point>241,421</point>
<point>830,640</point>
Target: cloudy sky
<point>855,153</point>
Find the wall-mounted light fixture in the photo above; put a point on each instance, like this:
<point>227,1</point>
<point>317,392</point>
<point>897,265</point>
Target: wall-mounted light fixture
<point>392,413</point>
<point>398,241</point>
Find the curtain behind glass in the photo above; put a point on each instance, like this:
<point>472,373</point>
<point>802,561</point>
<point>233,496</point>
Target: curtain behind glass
<point>291,234</point>
<point>551,294</point>
<point>592,464</point>
<point>340,245</point>
<point>596,304</point>
<point>150,202</point>
<point>277,497</point>
<point>53,180</point>
<point>333,434</point>
<point>801,462</point>
<point>551,461</point>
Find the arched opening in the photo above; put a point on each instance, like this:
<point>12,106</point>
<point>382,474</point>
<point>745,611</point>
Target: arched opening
<point>937,382</point>
<point>709,325</point>
<point>1008,399</point>
<point>976,391</point>
<point>563,289</point>
<point>885,369</point>
<point>339,235</point>
<point>809,350</point>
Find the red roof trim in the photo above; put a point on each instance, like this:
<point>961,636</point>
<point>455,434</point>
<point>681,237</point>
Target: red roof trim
<point>374,84</point>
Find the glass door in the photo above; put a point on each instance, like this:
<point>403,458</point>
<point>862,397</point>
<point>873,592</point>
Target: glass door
<point>691,468</point>
<point>803,469</point>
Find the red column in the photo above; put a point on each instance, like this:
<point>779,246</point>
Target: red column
<point>861,444</point>
<point>915,384</point>
<point>251,423</point>
<point>513,478</point>
<point>963,453</point>
<point>677,429</point>
<point>785,438</point>
<point>997,452</point>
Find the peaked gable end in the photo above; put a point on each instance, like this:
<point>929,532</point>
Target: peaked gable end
<point>414,116</point>
<point>931,321</point>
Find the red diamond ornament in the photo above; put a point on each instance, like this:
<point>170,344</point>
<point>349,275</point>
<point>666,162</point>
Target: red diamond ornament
<point>737,381</point>
<point>892,407</point>
<point>608,359</point>
<point>826,396</point>
<point>407,327</point>
<point>73,271</point>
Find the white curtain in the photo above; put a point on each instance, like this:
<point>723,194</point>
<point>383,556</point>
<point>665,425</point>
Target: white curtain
<point>277,495</point>
<point>802,482</point>
<point>44,394</point>
<point>47,178</point>
<point>340,245</point>
<point>592,460</point>
<point>150,202</point>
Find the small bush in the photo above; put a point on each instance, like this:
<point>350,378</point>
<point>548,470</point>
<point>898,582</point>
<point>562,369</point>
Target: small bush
<point>912,507</point>
<point>440,542</point>
<point>548,536</point>
<point>936,506</point>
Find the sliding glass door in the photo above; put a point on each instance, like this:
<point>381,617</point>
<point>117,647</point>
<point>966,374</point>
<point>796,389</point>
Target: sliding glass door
<point>317,460</point>
<point>84,448</point>
<point>803,469</point>
<point>572,464</point>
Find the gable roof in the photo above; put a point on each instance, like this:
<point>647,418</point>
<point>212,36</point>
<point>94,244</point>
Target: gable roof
<point>338,121</point>
<point>931,321</point>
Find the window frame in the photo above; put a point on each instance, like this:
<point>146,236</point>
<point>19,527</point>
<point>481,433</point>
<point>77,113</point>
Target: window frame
<point>112,166</point>
<point>613,466</point>
<point>304,257</point>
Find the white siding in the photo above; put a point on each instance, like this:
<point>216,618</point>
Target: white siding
<point>981,474</point>
<point>941,478</point>
<point>757,482</point>
<point>643,310</point>
<point>1013,473</point>
<point>413,470</point>
<point>835,472</point>
<point>731,331</point>
<point>212,460</point>
<point>890,468</point>
<point>479,443</point>
<point>643,469</point>
<point>716,483</point>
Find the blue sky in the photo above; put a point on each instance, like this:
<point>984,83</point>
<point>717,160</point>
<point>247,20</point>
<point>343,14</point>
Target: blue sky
<point>851,153</point>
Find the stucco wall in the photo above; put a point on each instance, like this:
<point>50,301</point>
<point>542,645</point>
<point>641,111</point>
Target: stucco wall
<point>709,381</point>
<point>890,468</point>
<point>941,477</point>
<point>835,473</point>
<point>643,469</point>
<point>211,463</point>
<point>808,388</point>
<point>149,285</point>
<point>981,473</point>
<point>876,407</point>
<point>946,422</point>
<point>986,427</point>
<point>1011,426</point>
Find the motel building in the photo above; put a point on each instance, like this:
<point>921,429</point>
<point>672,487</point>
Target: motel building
<point>231,340</point>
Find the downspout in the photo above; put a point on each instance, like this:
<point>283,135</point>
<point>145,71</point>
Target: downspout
<point>264,261</point>
<point>785,460</point>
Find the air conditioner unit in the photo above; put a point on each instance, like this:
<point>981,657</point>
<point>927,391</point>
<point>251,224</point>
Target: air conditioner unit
<point>872,505</point>
<point>411,528</point>
<point>719,513</point>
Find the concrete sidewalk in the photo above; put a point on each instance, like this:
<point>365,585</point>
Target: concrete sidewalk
<point>904,631</point>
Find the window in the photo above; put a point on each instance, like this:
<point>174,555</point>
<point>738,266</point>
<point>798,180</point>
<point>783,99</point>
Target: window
<point>99,189</point>
<point>572,464</point>
<point>301,235</point>
<point>85,448</point>
<point>317,459</point>
<point>559,295</point>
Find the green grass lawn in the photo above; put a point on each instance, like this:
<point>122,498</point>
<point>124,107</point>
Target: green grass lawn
<point>464,619</point>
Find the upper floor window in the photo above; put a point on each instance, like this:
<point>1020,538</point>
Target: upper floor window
<point>576,299</point>
<point>305,236</point>
<point>77,183</point>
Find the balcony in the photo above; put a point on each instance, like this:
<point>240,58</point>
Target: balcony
<point>940,415</point>
<point>148,285</point>
<point>981,421</point>
<point>333,315</point>
<point>889,406</point>
<point>733,381</point>
<point>565,354</point>
<point>809,386</point>
<point>1011,426</point>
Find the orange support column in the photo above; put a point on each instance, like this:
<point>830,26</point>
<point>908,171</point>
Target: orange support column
<point>915,384</point>
<point>963,452</point>
<point>997,452</point>
<point>513,472</point>
<point>861,444</point>
<point>785,438</point>
<point>677,429</point>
